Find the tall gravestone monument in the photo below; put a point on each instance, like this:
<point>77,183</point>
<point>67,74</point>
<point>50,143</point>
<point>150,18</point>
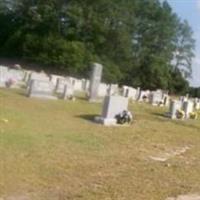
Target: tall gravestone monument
<point>95,80</point>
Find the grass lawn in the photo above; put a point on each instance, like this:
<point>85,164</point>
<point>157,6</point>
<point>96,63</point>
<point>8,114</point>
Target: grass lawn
<point>51,150</point>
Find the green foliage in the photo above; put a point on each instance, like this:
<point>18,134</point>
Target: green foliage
<point>178,84</point>
<point>194,92</point>
<point>184,45</point>
<point>69,56</point>
<point>139,42</point>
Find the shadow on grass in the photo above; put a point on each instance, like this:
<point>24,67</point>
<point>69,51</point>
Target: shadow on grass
<point>160,115</point>
<point>186,123</point>
<point>81,98</point>
<point>18,91</point>
<point>87,117</point>
<point>21,93</point>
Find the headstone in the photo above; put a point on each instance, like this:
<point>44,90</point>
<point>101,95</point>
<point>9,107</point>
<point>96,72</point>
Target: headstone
<point>174,107</point>
<point>15,78</point>
<point>125,91</point>
<point>129,92</point>
<point>95,80</point>
<point>77,85</point>
<point>109,91</point>
<point>133,93</point>
<point>138,93</point>
<point>85,85</point>
<point>183,98</point>
<point>54,78</point>
<point>102,92</point>
<point>68,92</point>
<point>41,89</point>
<point>60,86</point>
<point>112,106</point>
<point>197,104</point>
<point>144,95</point>
<point>3,76</point>
<point>156,98</point>
<point>188,108</point>
<point>17,66</point>
<point>16,75</point>
<point>73,81</point>
<point>37,76</point>
<point>187,96</point>
<point>26,75</point>
<point>166,100</point>
<point>113,89</point>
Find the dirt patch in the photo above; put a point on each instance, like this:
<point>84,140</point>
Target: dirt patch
<point>185,197</point>
<point>162,157</point>
<point>16,197</point>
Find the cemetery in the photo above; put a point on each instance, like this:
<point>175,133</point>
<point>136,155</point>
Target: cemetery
<point>100,100</point>
<point>80,149</point>
<point>115,99</point>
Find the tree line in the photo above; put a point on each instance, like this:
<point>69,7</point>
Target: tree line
<point>194,92</point>
<point>141,43</point>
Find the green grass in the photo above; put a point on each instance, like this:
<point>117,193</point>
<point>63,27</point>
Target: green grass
<point>51,150</point>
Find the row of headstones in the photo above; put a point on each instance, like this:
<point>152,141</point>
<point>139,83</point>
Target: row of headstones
<point>39,83</point>
<point>183,108</point>
<point>113,105</point>
<point>17,78</point>
<point>157,97</point>
<point>11,77</point>
<point>65,86</point>
<point>43,86</point>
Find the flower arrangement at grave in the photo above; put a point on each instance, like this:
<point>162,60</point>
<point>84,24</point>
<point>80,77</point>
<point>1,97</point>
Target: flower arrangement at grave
<point>194,115</point>
<point>161,104</point>
<point>180,114</point>
<point>10,82</point>
<point>124,117</point>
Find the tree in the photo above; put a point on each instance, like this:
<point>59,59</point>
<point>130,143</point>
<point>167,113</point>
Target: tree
<point>184,49</point>
<point>139,42</point>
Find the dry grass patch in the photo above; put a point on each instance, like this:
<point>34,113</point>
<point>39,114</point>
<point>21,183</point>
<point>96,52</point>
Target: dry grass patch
<point>51,150</point>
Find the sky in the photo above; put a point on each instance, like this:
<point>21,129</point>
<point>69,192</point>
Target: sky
<point>190,10</point>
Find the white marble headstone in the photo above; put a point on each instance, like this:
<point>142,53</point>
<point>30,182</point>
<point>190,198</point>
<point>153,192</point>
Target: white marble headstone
<point>174,107</point>
<point>112,106</point>
<point>41,89</point>
<point>188,108</point>
<point>3,76</point>
<point>60,86</point>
